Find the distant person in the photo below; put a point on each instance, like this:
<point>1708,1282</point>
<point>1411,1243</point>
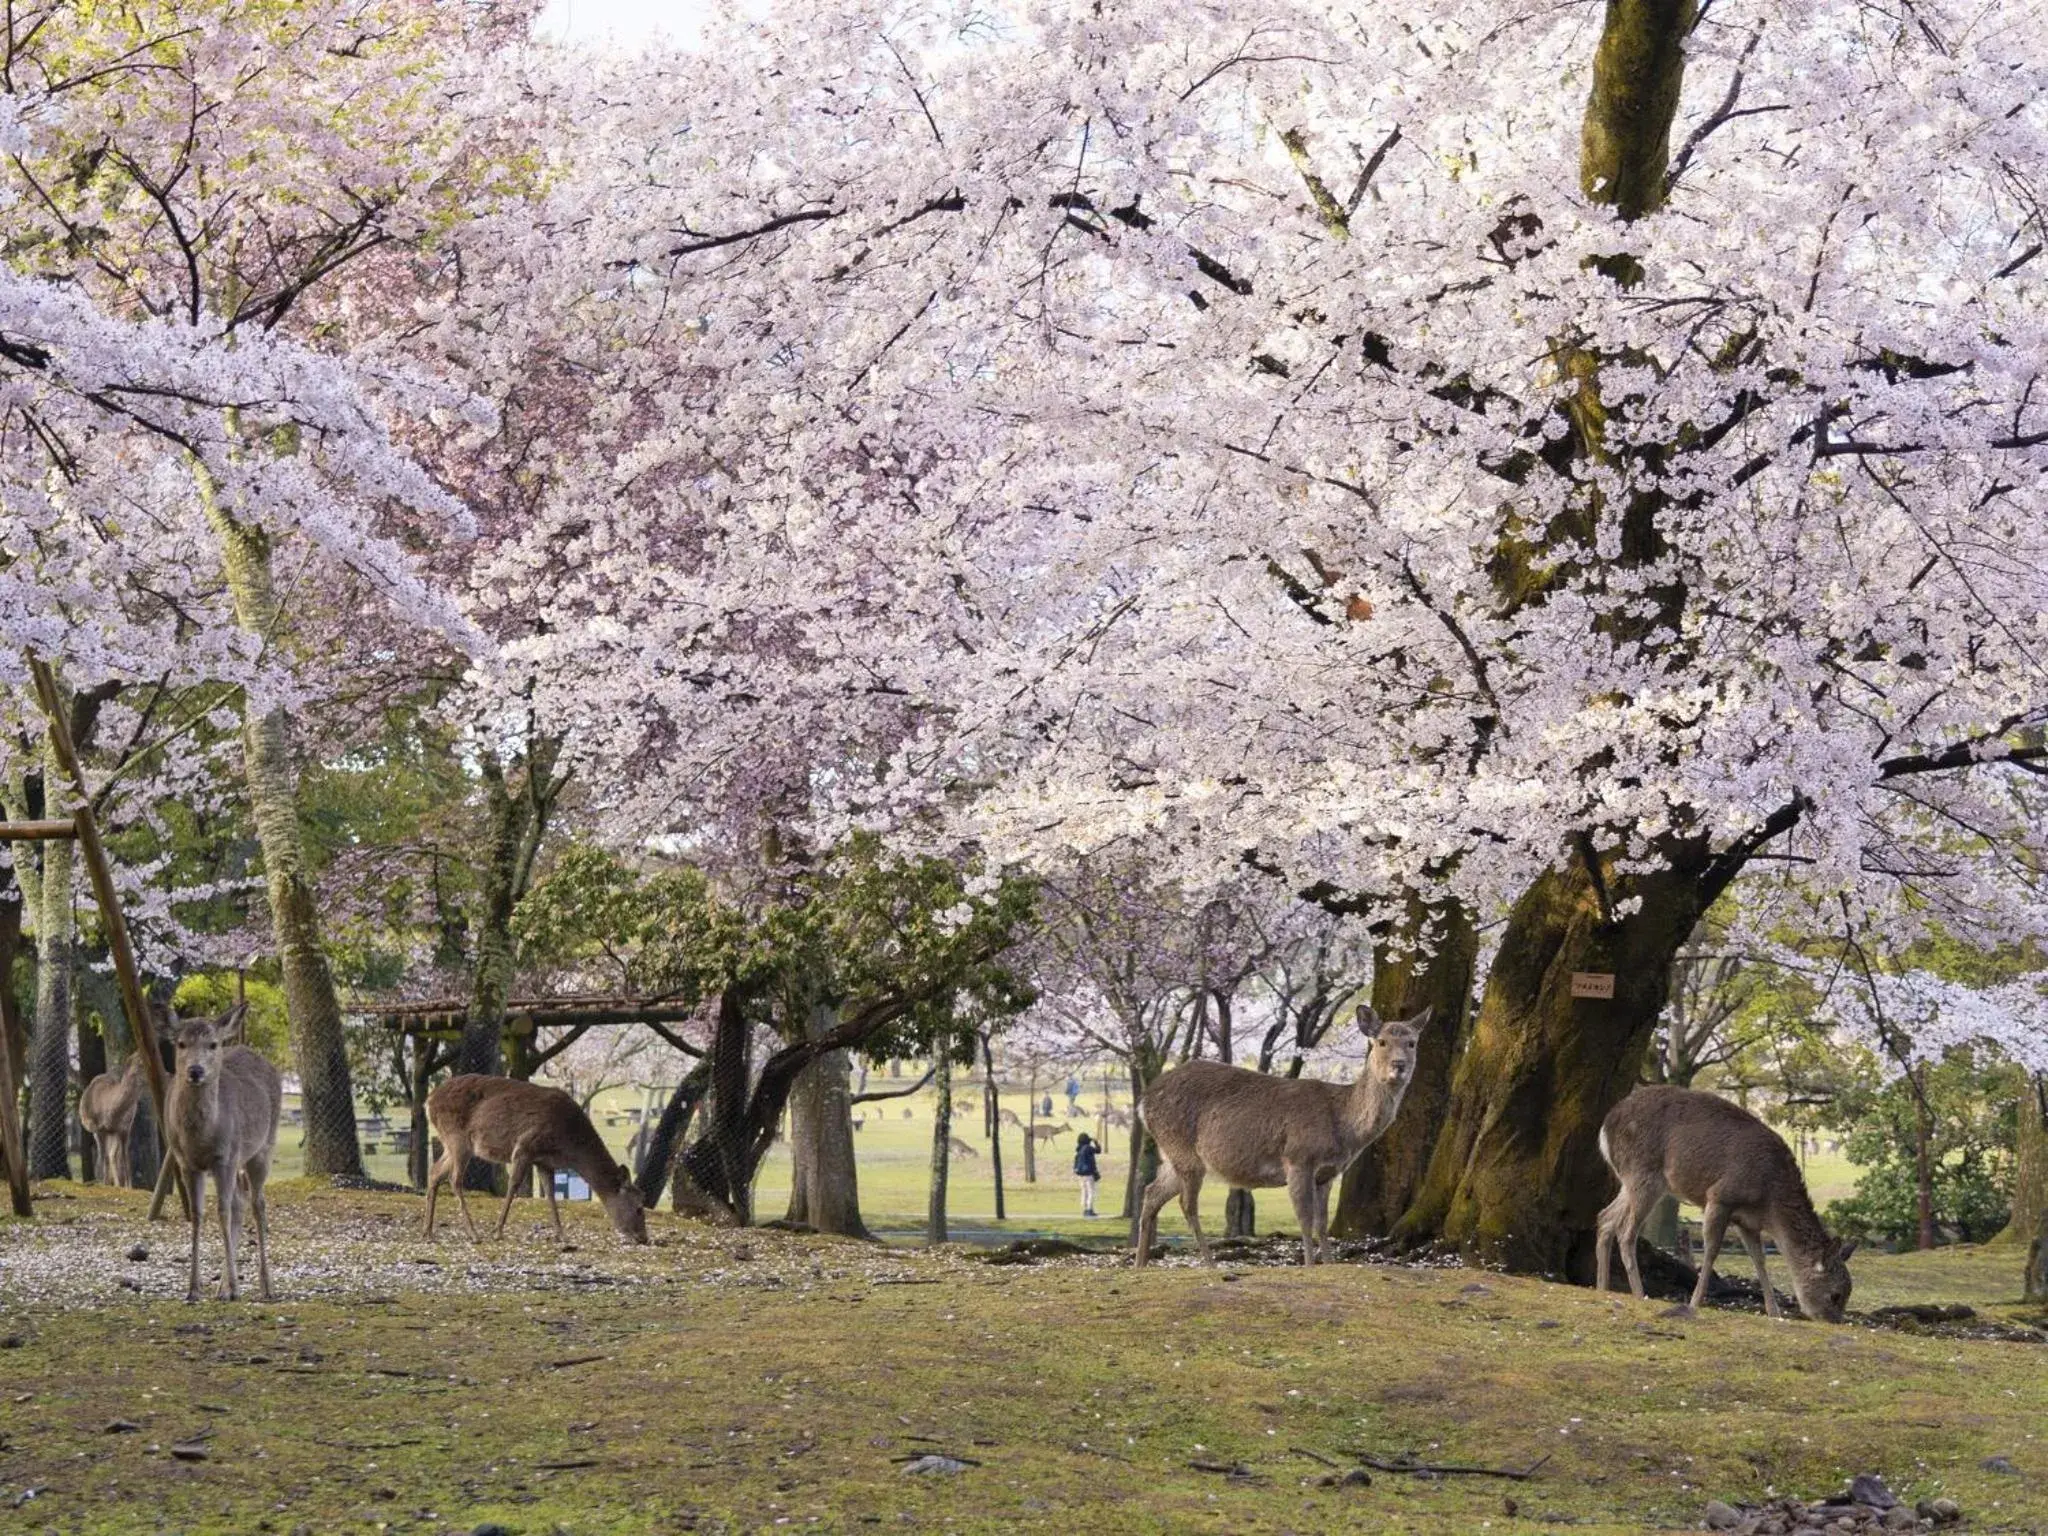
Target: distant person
<point>1086,1170</point>
<point>1073,1095</point>
<point>1045,1109</point>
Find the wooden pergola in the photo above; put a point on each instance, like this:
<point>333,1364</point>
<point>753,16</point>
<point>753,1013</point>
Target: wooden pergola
<point>433,1026</point>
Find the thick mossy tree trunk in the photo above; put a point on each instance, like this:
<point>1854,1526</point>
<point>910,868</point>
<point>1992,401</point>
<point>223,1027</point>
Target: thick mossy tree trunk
<point>2029,1226</point>
<point>1379,1188</point>
<point>1516,1178</point>
<point>1146,1064</point>
<point>824,1184</point>
<point>49,1070</point>
<point>311,1004</point>
<point>942,1135</point>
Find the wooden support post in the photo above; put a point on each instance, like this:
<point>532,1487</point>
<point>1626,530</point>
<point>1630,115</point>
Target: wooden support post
<point>12,1152</point>
<point>87,829</point>
<point>39,831</point>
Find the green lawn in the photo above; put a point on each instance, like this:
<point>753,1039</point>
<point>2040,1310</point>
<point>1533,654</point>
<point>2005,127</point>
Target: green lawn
<point>736,1381</point>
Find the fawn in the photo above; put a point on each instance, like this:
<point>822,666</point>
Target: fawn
<point>525,1126</point>
<point>221,1120</point>
<point>1720,1157</point>
<point>1258,1131</point>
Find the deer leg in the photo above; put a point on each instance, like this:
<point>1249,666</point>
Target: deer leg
<point>435,1173</point>
<point>1713,1227</point>
<point>1755,1244</point>
<point>459,1165</point>
<point>1641,1199</point>
<point>1157,1193</point>
<point>547,1176</point>
<point>1190,1206</point>
<point>514,1177</point>
<point>261,1206</point>
<point>229,1204</point>
<point>196,1179</point>
<point>1323,1217</point>
<point>1603,1234</point>
<point>124,1170</point>
<point>1301,1189</point>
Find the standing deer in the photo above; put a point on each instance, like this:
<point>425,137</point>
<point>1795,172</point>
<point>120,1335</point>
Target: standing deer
<point>107,1111</point>
<point>1720,1157</point>
<point>525,1126</point>
<point>1257,1131</point>
<point>221,1120</point>
<point>1049,1132</point>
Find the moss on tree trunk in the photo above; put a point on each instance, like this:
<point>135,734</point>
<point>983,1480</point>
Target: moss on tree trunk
<point>49,1069</point>
<point>824,1186</point>
<point>2029,1225</point>
<point>942,1133</point>
<point>273,783</point>
<point>1382,1184</point>
<point>1516,1178</point>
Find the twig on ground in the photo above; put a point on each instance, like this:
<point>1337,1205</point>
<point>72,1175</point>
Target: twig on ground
<point>1406,1462</point>
<point>1312,1455</point>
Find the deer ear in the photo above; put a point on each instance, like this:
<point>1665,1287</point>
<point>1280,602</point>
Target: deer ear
<point>1414,1027</point>
<point>229,1024</point>
<point>1847,1248</point>
<point>1368,1020</point>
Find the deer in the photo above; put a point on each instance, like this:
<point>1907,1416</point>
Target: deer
<point>525,1126</point>
<point>1720,1157</point>
<point>107,1111</point>
<point>1009,1117</point>
<point>220,1120</point>
<point>1049,1132</point>
<point>1257,1131</point>
<point>961,1148</point>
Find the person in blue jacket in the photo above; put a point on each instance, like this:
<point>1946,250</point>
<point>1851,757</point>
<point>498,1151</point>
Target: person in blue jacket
<point>1085,1167</point>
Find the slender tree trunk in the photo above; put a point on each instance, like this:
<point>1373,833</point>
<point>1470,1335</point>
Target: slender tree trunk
<point>942,1132</point>
<point>1516,1178</point>
<point>49,1112</point>
<point>13,1032</point>
<point>1382,1184</point>
<point>824,1188</point>
<point>1240,1214</point>
<point>1923,1170</point>
<point>718,1166</point>
<point>995,1125</point>
<point>273,783</point>
<point>1145,1065</point>
<point>92,1061</point>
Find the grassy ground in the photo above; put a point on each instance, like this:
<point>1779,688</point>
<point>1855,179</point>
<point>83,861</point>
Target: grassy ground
<point>728,1381</point>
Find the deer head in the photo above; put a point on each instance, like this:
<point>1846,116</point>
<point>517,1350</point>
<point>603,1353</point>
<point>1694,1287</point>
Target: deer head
<point>200,1042</point>
<point>626,1208</point>
<point>1391,1053</point>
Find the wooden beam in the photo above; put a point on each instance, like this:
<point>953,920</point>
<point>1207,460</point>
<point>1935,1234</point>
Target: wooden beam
<point>38,831</point>
<point>134,1004</point>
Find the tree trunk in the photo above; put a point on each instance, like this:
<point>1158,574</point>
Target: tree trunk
<point>13,1032</point>
<point>1516,1178</point>
<point>718,1166</point>
<point>49,1110</point>
<point>995,1125</point>
<point>1031,1128</point>
<point>674,1123</point>
<point>1923,1169</point>
<point>942,1133</point>
<point>1382,1184</point>
<point>1145,1065</point>
<point>824,1187</point>
<point>2030,1167</point>
<point>310,1002</point>
<point>92,1061</point>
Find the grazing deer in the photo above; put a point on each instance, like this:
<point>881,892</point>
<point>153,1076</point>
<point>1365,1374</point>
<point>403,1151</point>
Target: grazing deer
<point>107,1111</point>
<point>1048,1132</point>
<point>961,1148</point>
<point>1257,1131</point>
<point>221,1120</point>
<point>1010,1118</point>
<point>1120,1118</point>
<point>1720,1157</point>
<point>525,1126</point>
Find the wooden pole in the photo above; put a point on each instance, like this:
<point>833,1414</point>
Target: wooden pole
<point>12,1152</point>
<point>39,831</point>
<point>88,832</point>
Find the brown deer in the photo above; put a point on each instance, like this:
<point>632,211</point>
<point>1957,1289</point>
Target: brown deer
<point>961,1148</point>
<point>1720,1157</point>
<point>1009,1117</point>
<point>1049,1132</point>
<point>221,1121</point>
<point>1257,1131</point>
<point>107,1111</point>
<point>525,1126</point>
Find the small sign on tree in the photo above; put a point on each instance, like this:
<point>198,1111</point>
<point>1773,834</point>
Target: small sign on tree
<point>1592,983</point>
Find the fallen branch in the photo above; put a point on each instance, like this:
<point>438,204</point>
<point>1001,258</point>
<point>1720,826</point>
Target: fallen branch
<point>1406,1462</point>
<point>563,1365</point>
<point>1312,1455</point>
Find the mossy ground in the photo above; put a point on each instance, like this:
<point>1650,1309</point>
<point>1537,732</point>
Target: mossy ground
<point>744,1380</point>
